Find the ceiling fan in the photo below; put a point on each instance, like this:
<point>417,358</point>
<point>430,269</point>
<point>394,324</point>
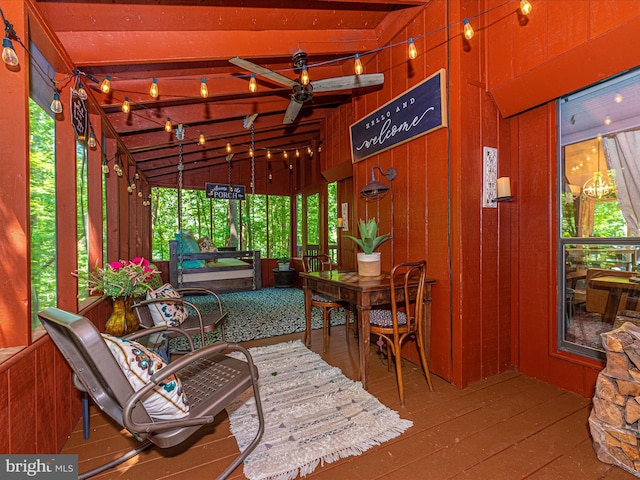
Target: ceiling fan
<point>304,93</point>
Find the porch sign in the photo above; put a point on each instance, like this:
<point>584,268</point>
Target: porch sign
<point>79,116</point>
<point>225,191</point>
<point>414,113</point>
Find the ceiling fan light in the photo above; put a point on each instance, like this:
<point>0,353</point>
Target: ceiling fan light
<point>204,91</point>
<point>358,65</point>
<point>304,76</point>
<point>253,85</point>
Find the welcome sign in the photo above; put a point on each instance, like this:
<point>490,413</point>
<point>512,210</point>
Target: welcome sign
<point>414,113</point>
<point>224,191</point>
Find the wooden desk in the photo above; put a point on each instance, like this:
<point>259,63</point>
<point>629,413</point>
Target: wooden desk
<point>616,286</point>
<point>364,293</point>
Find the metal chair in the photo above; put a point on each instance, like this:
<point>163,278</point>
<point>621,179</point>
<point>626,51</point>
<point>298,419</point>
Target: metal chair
<point>405,319</point>
<point>318,263</point>
<point>210,380</point>
<point>197,323</point>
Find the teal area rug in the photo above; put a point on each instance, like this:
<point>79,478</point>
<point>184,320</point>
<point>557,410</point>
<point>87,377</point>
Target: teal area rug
<point>268,312</point>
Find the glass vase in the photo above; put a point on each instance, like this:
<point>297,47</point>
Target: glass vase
<point>122,320</point>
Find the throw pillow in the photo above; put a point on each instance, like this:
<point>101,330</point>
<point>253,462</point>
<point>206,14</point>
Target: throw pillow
<point>170,313</point>
<point>167,400</point>
<point>188,243</point>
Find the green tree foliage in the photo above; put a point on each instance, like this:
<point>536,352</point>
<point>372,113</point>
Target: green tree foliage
<point>42,171</point>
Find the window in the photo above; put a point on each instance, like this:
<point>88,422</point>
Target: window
<point>42,191</point>
<point>332,210</point>
<point>599,212</point>
<point>82,223</point>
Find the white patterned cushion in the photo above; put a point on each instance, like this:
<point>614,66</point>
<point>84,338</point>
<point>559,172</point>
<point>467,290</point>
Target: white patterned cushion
<point>172,314</point>
<point>167,400</point>
<point>384,318</point>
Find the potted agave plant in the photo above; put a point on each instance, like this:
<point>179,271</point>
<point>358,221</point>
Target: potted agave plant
<point>369,259</point>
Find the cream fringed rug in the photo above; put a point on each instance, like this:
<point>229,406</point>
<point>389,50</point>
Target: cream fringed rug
<point>313,414</point>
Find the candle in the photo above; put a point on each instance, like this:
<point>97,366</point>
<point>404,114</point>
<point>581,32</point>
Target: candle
<point>504,188</point>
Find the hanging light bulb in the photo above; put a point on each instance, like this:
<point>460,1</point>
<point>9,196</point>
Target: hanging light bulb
<point>133,186</point>
<point>525,7</point>
<point>167,125</point>
<point>105,86</point>
<point>140,193</point>
<point>304,76</point>
<point>268,154</point>
<point>309,151</point>
<point>82,93</point>
<point>468,30</point>
<point>56,104</point>
<point>204,91</point>
<point>251,152</point>
<point>270,176</point>
<point>8,53</point>
<point>358,65</point>
<point>126,108</point>
<point>105,167</point>
<point>291,168</point>
<point>201,139</point>
<point>228,147</point>
<point>413,51</point>
<point>153,90</point>
<point>286,155</point>
<point>253,86</point>
<point>92,140</point>
<point>129,189</point>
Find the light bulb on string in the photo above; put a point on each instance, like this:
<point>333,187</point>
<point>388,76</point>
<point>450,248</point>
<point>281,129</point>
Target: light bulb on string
<point>204,91</point>
<point>82,93</point>
<point>309,151</point>
<point>167,125</point>
<point>105,86</point>
<point>304,76</point>
<point>153,90</point>
<point>297,153</point>
<point>140,193</point>
<point>8,53</point>
<point>468,29</point>
<point>358,65</point>
<point>525,7</point>
<point>286,155</point>
<point>92,140</point>
<point>413,51</point>
<point>268,154</point>
<point>105,167</point>
<point>56,104</point>
<point>133,186</point>
<point>228,147</point>
<point>253,86</point>
<point>201,139</point>
<point>126,108</point>
<point>251,152</point>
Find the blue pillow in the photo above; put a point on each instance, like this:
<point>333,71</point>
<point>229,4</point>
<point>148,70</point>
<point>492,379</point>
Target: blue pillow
<point>189,245</point>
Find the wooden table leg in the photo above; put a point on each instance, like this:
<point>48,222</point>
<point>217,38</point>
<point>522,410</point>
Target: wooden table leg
<point>613,302</point>
<point>363,344</point>
<point>307,315</point>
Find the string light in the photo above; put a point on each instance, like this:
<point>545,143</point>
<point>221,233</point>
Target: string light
<point>358,65</point>
<point>286,155</point>
<point>413,51</point>
<point>82,93</point>
<point>56,104</point>
<point>167,125</point>
<point>468,30</point>
<point>268,154</point>
<point>251,152</point>
<point>105,86</point>
<point>204,91</point>
<point>297,153</point>
<point>201,139</point>
<point>304,76</point>
<point>525,7</point>
<point>105,166</point>
<point>126,108</point>
<point>91,142</point>
<point>153,90</point>
<point>253,86</point>
<point>8,53</point>
<point>228,147</point>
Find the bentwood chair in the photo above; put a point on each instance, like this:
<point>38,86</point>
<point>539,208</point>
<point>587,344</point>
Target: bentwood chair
<point>405,319</point>
<point>319,263</point>
<point>124,381</point>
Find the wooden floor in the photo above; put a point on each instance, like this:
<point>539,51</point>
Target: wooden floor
<point>505,427</point>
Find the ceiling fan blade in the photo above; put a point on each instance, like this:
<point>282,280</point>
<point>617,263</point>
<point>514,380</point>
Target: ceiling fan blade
<point>348,82</point>
<point>292,111</point>
<point>263,72</point>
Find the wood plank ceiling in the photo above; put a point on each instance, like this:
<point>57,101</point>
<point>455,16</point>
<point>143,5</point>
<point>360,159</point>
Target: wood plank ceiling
<point>180,42</point>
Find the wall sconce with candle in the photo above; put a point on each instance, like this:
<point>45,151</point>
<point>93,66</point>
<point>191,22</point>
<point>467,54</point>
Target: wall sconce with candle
<point>504,190</point>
